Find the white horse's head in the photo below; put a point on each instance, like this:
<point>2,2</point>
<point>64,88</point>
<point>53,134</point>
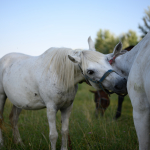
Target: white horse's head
<point>94,65</point>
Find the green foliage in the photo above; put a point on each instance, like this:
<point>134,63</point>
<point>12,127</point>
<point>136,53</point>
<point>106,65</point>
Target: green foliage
<point>106,41</point>
<point>86,131</point>
<point>146,19</point>
<point>129,39</point>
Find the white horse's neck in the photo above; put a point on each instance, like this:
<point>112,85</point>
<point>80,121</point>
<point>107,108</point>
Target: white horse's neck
<point>65,71</point>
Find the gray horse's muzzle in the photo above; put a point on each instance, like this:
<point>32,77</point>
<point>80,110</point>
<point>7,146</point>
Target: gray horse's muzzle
<point>121,87</point>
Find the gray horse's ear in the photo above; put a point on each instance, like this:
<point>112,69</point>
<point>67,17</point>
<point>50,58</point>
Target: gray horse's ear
<point>91,44</point>
<point>117,49</point>
<point>75,59</point>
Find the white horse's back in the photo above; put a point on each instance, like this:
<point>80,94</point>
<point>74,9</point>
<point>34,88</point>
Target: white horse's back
<point>27,80</point>
<point>5,64</point>
<point>19,80</point>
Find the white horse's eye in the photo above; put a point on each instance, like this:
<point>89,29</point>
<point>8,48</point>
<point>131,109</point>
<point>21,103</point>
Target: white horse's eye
<point>90,72</point>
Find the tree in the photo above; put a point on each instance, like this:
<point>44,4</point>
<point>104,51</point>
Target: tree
<point>146,19</point>
<point>129,39</point>
<point>106,41</point>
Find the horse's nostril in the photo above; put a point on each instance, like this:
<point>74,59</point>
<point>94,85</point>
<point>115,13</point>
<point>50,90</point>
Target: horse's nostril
<point>121,84</point>
<point>117,87</point>
<point>125,81</point>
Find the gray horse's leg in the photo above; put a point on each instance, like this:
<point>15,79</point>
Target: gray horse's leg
<point>65,114</point>
<point>14,116</point>
<point>120,101</point>
<point>2,103</point>
<point>53,135</point>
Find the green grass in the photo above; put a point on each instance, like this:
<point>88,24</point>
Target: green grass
<point>86,131</point>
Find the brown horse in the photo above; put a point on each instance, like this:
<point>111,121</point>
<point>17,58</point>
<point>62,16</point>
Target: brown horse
<point>102,101</point>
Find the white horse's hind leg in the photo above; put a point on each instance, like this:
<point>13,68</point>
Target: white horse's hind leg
<point>141,117</point>
<point>14,116</point>
<point>53,135</point>
<point>2,103</point>
<point>65,114</point>
<point>142,126</point>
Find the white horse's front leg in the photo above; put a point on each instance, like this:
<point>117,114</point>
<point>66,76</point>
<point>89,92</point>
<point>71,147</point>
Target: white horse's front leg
<point>53,135</point>
<point>65,114</point>
<point>142,126</point>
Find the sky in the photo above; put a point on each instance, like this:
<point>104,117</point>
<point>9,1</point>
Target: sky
<point>33,26</point>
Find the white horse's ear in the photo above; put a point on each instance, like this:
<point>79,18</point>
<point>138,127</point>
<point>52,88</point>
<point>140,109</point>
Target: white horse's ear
<point>75,59</point>
<point>91,44</point>
<point>117,48</point>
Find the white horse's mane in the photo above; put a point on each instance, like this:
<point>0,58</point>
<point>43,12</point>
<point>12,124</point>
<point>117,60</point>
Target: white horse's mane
<point>64,68</point>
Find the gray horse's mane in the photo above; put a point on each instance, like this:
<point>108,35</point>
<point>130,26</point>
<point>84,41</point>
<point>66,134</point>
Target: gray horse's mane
<point>64,68</point>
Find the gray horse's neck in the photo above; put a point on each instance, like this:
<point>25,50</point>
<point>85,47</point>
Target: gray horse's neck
<point>129,57</point>
<point>126,61</point>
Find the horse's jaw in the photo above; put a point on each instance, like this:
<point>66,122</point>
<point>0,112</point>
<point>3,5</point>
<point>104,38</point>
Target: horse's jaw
<point>78,78</point>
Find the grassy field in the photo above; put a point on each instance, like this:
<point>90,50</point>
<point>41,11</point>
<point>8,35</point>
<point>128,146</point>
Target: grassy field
<point>86,131</point>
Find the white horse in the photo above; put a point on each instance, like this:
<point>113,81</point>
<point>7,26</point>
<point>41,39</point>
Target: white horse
<point>50,80</point>
<point>135,67</point>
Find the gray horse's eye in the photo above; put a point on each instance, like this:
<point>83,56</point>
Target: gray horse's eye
<point>90,72</point>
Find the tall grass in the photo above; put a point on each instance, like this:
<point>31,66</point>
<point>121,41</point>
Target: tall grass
<point>86,131</point>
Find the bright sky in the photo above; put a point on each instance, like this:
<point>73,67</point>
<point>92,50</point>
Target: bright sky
<point>33,26</point>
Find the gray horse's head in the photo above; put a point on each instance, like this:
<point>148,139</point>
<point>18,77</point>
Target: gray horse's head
<point>116,60</point>
<point>94,65</point>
